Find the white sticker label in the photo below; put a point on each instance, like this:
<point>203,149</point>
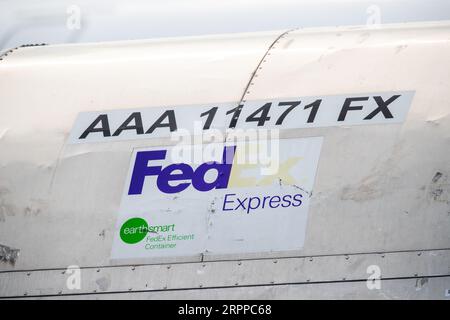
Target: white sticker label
<point>289,113</point>
<point>224,203</point>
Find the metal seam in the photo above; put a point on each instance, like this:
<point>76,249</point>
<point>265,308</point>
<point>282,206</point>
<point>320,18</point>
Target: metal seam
<point>219,287</point>
<point>262,60</point>
<point>382,253</point>
<point>9,51</point>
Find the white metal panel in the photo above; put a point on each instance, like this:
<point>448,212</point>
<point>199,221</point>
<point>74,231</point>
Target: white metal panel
<point>378,188</point>
<point>225,274</point>
<point>417,288</point>
<point>47,187</point>
<point>376,181</point>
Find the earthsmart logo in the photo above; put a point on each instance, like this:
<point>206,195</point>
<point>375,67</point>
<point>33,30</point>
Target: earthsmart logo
<point>135,230</point>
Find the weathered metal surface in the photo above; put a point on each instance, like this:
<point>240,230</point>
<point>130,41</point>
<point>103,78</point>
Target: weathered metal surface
<point>8,254</point>
<point>416,288</point>
<point>226,274</point>
<point>378,188</point>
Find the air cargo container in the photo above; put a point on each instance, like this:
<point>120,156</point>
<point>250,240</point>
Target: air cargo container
<point>126,167</point>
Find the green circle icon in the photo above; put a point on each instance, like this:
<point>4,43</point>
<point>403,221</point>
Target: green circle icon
<point>133,230</point>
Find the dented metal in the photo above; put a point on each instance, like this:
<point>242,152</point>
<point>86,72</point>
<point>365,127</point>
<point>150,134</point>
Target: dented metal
<point>382,191</point>
<point>8,255</point>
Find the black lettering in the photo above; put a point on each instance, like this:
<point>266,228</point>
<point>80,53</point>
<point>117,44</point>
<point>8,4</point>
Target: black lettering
<point>136,116</point>
<point>210,113</point>
<point>382,107</point>
<point>292,104</point>
<point>103,119</point>
<point>172,124</point>
<point>347,106</point>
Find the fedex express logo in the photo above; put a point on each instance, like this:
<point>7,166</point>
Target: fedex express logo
<point>243,177</point>
<point>247,176</point>
<point>177,177</point>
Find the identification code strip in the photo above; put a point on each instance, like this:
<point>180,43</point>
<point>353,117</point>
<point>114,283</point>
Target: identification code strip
<point>287,113</point>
